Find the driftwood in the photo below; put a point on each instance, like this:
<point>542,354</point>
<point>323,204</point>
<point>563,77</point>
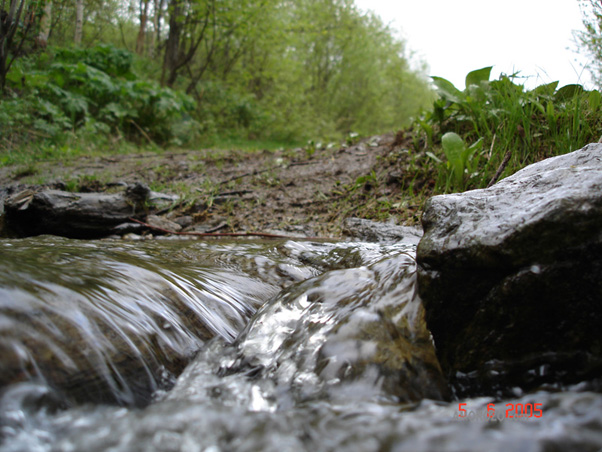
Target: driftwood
<point>77,215</point>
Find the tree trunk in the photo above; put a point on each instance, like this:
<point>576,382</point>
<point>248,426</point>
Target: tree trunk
<point>142,29</point>
<point>156,34</point>
<point>79,21</point>
<point>9,23</point>
<point>172,46</point>
<point>45,23</point>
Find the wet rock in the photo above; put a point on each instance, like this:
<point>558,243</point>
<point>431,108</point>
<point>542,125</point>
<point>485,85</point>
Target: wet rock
<point>511,277</point>
<point>372,231</point>
<point>78,215</point>
<point>163,223</point>
<point>184,221</point>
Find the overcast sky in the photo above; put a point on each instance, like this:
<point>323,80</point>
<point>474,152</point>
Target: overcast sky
<point>457,36</point>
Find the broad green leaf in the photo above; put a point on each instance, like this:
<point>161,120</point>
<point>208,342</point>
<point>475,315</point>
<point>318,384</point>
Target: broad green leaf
<point>594,99</point>
<point>546,90</point>
<point>453,147</point>
<point>568,92</point>
<point>447,89</point>
<point>478,76</point>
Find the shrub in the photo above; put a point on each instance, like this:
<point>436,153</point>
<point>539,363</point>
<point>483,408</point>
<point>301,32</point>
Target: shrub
<point>69,89</point>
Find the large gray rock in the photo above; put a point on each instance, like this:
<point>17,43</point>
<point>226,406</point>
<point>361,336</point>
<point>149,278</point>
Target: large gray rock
<point>511,276</point>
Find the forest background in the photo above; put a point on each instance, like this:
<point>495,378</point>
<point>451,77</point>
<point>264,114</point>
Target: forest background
<point>78,76</point>
<point>185,71</point>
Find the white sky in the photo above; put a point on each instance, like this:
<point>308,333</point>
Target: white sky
<point>455,37</point>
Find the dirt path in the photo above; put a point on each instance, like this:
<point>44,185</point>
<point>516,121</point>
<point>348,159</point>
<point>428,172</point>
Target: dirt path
<point>293,191</point>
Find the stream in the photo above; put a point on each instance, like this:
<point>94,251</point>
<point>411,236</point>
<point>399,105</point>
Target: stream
<point>244,345</point>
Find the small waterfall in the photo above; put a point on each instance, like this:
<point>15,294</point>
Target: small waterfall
<point>246,346</point>
<point>114,322</point>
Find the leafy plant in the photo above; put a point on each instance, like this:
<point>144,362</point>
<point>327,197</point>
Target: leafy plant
<point>93,90</point>
<point>460,158</point>
<point>506,119</point>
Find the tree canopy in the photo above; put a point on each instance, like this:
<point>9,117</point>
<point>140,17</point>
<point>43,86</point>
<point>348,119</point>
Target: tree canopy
<point>283,69</point>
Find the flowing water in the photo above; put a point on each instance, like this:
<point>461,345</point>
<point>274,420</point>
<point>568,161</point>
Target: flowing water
<point>172,345</point>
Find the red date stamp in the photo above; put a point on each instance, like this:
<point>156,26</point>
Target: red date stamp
<point>515,411</point>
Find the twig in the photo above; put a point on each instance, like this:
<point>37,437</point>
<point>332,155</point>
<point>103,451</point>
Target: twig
<point>491,147</point>
<point>252,173</point>
<point>501,169</point>
<point>226,234</point>
<point>228,193</point>
<point>142,132</point>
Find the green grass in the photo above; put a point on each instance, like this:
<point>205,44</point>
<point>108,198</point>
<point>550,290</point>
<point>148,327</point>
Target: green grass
<point>67,149</point>
<point>468,134</point>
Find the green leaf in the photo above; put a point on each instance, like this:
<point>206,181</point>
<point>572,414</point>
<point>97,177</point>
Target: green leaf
<point>594,99</point>
<point>546,90</point>
<point>447,89</point>
<point>434,157</point>
<point>453,147</point>
<point>539,106</point>
<point>469,153</point>
<point>478,76</point>
<point>551,112</point>
<point>568,92</point>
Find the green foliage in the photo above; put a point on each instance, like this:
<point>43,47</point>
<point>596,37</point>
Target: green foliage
<point>89,91</point>
<point>460,159</point>
<point>302,70</point>
<point>500,117</point>
<point>256,69</point>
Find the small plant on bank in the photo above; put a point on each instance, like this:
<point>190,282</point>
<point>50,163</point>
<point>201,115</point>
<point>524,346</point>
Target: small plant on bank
<point>461,160</point>
<point>509,127</point>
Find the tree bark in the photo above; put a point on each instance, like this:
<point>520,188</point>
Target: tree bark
<point>45,24</point>
<point>142,30</point>
<point>9,23</point>
<point>172,46</point>
<point>79,21</point>
<point>155,35</point>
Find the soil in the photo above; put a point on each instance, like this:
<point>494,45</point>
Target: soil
<point>303,192</point>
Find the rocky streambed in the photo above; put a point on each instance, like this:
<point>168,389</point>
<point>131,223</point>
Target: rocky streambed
<point>485,337</point>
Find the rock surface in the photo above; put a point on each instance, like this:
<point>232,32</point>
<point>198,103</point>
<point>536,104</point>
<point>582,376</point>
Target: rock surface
<point>511,276</point>
<point>373,231</point>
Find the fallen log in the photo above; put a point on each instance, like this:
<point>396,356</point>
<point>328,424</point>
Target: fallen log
<point>78,215</point>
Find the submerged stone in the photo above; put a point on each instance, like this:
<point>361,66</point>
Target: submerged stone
<point>511,276</point>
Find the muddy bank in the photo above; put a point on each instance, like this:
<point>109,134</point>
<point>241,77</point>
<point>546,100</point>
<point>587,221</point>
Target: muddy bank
<point>296,192</point>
